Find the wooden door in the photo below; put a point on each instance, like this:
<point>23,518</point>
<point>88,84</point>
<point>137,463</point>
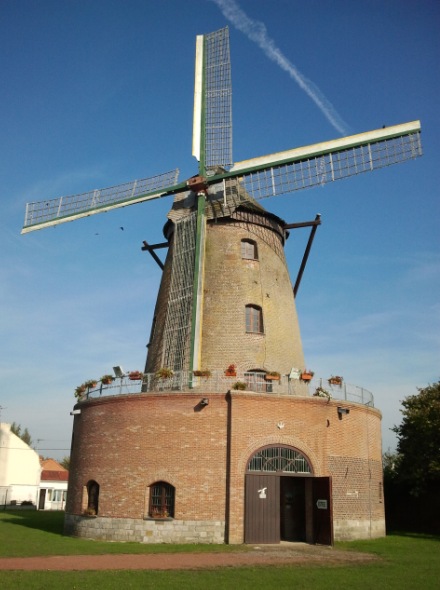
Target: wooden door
<point>322,511</point>
<point>262,509</point>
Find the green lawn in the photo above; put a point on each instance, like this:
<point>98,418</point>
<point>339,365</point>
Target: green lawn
<point>407,562</point>
<point>28,533</point>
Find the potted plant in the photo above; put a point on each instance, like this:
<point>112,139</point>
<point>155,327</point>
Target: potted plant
<point>164,373</point>
<point>80,391</point>
<point>135,376</point>
<point>89,512</point>
<point>160,513</point>
<point>272,376</point>
<point>307,375</point>
<point>231,371</point>
<point>336,380</point>
<point>107,379</point>
<point>321,392</point>
<point>91,384</point>
<point>202,373</point>
<point>240,385</point>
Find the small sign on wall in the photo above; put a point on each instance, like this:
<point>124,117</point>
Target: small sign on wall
<point>262,493</point>
<point>322,504</point>
<point>295,373</point>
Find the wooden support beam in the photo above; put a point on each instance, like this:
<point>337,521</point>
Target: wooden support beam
<point>151,249</point>
<point>314,224</point>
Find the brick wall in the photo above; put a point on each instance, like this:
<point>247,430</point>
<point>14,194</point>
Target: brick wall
<point>231,283</point>
<point>126,443</point>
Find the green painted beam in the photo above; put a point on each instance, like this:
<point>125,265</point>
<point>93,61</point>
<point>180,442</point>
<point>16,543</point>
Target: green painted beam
<point>195,346</point>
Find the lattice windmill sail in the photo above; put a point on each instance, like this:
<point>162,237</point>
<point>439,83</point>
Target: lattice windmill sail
<point>222,191</point>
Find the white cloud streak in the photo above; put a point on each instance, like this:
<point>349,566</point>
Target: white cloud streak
<point>256,31</point>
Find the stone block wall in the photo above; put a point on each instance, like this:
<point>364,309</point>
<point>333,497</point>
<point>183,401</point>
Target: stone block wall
<point>145,531</point>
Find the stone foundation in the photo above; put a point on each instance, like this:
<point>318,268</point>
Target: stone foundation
<point>145,531</point>
<point>351,530</point>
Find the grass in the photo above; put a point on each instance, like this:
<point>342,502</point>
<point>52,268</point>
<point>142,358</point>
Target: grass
<point>407,561</point>
<point>30,533</point>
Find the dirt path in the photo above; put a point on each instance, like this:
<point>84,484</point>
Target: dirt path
<point>289,554</point>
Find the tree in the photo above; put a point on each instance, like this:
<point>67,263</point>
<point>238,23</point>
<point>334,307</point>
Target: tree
<point>16,429</point>
<point>418,462</point>
<point>25,436</point>
<point>65,462</point>
<point>389,463</point>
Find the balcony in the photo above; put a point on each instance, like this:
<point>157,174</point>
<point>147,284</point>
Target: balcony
<point>218,382</point>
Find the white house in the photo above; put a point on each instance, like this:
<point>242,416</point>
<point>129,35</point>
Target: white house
<point>53,485</point>
<point>20,469</point>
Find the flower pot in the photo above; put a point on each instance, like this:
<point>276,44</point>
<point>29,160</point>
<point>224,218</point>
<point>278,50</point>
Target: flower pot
<point>135,376</point>
<point>231,373</point>
<point>271,378</point>
<point>306,377</point>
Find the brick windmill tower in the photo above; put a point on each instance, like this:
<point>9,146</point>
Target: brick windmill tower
<point>223,439</point>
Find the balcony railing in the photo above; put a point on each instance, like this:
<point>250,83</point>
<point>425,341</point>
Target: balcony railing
<point>218,382</point>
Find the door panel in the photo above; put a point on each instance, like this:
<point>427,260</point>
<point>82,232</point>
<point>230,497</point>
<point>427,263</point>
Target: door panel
<point>322,511</point>
<point>262,513</point>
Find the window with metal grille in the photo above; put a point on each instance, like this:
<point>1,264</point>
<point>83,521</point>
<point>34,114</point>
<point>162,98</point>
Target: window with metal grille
<point>276,459</point>
<point>254,319</point>
<point>249,250</point>
<point>255,379</point>
<point>161,500</point>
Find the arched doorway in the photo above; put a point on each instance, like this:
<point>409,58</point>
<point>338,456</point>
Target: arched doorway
<point>283,501</point>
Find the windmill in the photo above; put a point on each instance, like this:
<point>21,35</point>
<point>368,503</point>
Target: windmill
<point>222,191</point>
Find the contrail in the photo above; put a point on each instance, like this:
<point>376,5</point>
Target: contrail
<point>257,32</point>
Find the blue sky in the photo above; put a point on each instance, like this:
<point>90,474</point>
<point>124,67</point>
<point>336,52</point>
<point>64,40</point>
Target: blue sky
<point>95,93</point>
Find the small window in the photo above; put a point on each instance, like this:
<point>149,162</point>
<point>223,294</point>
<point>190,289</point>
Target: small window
<point>254,319</point>
<point>92,497</point>
<point>249,250</point>
<point>161,500</point>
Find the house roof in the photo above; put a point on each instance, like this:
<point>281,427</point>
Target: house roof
<point>54,475</point>
<point>51,465</point>
<point>53,471</point>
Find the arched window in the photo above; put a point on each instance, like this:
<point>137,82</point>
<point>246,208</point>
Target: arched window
<point>92,497</point>
<point>279,459</point>
<point>161,500</point>
<point>254,319</point>
<point>249,250</point>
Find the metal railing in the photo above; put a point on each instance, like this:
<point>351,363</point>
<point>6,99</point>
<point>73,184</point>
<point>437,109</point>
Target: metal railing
<point>218,382</point>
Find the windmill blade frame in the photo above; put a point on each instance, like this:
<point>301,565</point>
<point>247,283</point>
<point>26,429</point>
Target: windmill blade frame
<point>212,121</point>
<point>317,164</point>
<point>52,212</point>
